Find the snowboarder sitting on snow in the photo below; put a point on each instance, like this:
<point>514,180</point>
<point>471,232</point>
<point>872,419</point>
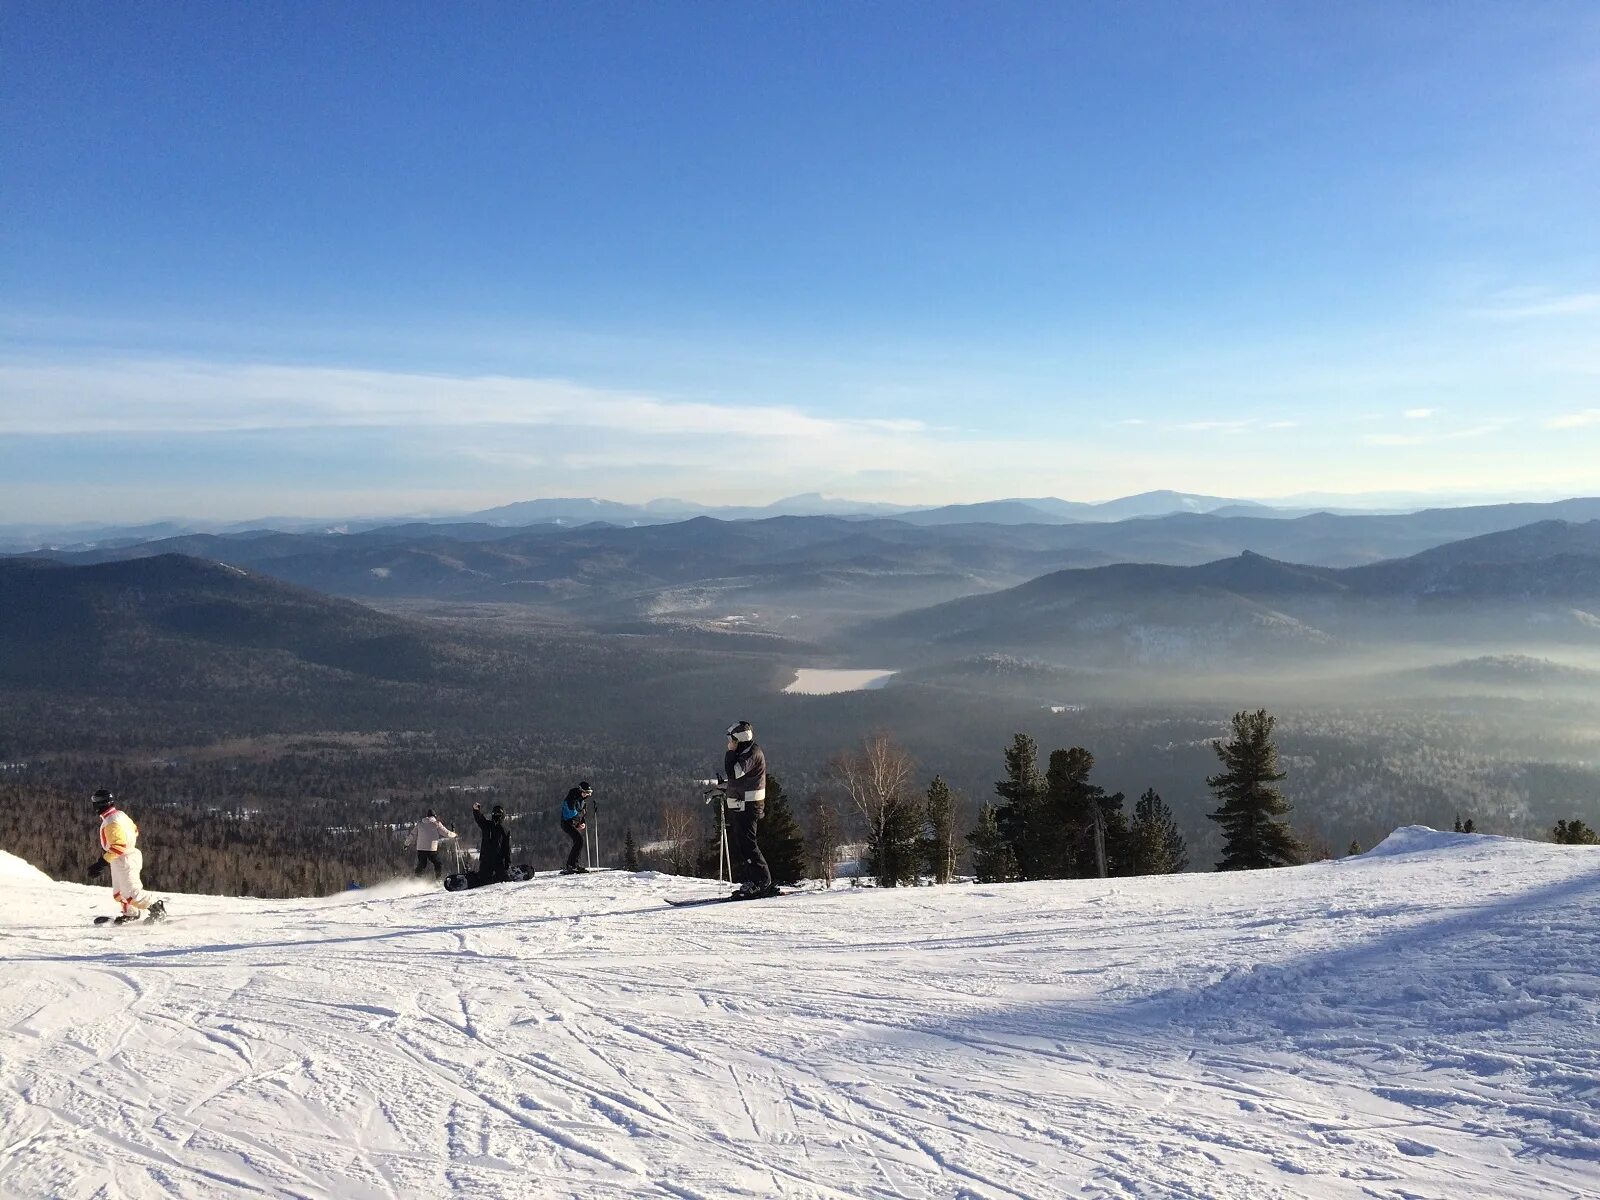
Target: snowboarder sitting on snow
<point>745,767</point>
<point>494,853</point>
<point>119,850</point>
<point>430,832</point>
<point>573,824</point>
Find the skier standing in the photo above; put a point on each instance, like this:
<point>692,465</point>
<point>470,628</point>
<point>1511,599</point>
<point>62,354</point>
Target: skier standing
<point>494,852</point>
<point>573,823</point>
<point>745,767</point>
<point>119,850</point>
<point>430,832</point>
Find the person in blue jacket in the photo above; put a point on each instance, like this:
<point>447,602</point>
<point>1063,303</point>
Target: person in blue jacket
<point>573,824</point>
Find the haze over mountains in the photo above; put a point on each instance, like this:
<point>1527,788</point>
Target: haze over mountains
<point>806,576</point>
<point>1173,592</point>
<point>20,538</point>
<point>1534,586</point>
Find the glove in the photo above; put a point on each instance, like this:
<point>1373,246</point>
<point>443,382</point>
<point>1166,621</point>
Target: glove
<point>97,867</point>
<point>582,825</point>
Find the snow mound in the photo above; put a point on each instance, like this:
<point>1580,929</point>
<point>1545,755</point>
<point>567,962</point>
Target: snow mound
<point>1416,839</point>
<point>14,870</point>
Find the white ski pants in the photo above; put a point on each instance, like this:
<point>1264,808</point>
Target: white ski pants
<point>126,886</point>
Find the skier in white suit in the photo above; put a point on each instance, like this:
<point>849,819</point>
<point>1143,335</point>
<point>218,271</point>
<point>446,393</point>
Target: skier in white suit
<point>119,850</point>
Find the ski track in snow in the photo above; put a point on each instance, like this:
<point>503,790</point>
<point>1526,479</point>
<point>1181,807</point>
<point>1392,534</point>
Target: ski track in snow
<point>1420,1023</point>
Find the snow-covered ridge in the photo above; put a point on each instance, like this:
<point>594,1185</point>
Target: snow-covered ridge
<point>1416,1021</point>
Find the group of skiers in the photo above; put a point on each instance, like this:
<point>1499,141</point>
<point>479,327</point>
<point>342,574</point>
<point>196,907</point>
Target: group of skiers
<point>494,849</point>
<point>743,782</point>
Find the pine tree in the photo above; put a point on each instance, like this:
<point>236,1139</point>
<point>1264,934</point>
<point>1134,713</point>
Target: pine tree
<point>892,848</point>
<point>992,860</point>
<point>1155,845</point>
<point>1077,817</point>
<point>630,850</point>
<point>1574,833</point>
<point>1018,817</point>
<point>939,847</point>
<point>1252,805</point>
<point>782,844</point>
<point>1355,848</point>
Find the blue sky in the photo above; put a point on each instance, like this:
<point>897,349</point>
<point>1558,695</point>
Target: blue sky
<point>369,258</point>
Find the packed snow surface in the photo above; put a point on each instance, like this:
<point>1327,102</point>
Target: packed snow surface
<point>1421,1022</point>
<point>829,681</point>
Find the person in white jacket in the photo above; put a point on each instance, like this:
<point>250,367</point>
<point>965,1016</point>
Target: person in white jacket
<point>119,850</point>
<point>430,832</point>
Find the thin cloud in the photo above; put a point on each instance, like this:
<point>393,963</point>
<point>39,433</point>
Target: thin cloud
<point>1419,414</point>
<point>1576,420</point>
<point>1425,439</point>
<point>188,397</point>
<point>1233,426</point>
<point>1575,304</point>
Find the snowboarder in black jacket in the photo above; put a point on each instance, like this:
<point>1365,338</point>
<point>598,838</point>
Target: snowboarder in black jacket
<point>573,824</point>
<point>494,853</point>
<point>745,767</point>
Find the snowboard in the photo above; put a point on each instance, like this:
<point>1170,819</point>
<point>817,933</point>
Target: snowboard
<point>463,880</point>
<point>112,921</point>
<point>697,901</point>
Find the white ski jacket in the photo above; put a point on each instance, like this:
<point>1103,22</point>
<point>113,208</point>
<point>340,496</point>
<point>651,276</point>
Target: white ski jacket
<point>430,832</point>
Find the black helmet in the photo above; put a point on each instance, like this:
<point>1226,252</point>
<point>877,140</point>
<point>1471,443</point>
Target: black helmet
<point>497,811</point>
<point>742,732</point>
<point>584,787</point>
<point>103,800</point>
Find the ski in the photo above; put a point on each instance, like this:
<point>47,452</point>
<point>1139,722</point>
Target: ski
<point>697,901</point>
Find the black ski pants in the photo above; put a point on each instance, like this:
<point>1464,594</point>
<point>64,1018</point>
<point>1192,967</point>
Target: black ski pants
<point>576,857</point>
<point>749,864</point>
<point>424,857</point>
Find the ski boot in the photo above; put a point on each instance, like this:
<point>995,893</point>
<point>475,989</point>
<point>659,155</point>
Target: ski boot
<point>124,918</point>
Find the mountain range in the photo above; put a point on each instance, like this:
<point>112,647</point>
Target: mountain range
<point>1535,585</point>
<point>1507,592</point>
<point>798,575</point>
<point>574,511</point>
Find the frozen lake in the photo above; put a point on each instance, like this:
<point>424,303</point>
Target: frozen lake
<point>825,681</point>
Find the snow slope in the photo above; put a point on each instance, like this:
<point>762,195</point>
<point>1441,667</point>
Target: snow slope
<point>1422,1021</point>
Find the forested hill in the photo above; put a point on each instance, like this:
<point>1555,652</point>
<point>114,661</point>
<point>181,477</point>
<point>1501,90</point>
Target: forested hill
<point>105,625</point>
<point>1519,586</point>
